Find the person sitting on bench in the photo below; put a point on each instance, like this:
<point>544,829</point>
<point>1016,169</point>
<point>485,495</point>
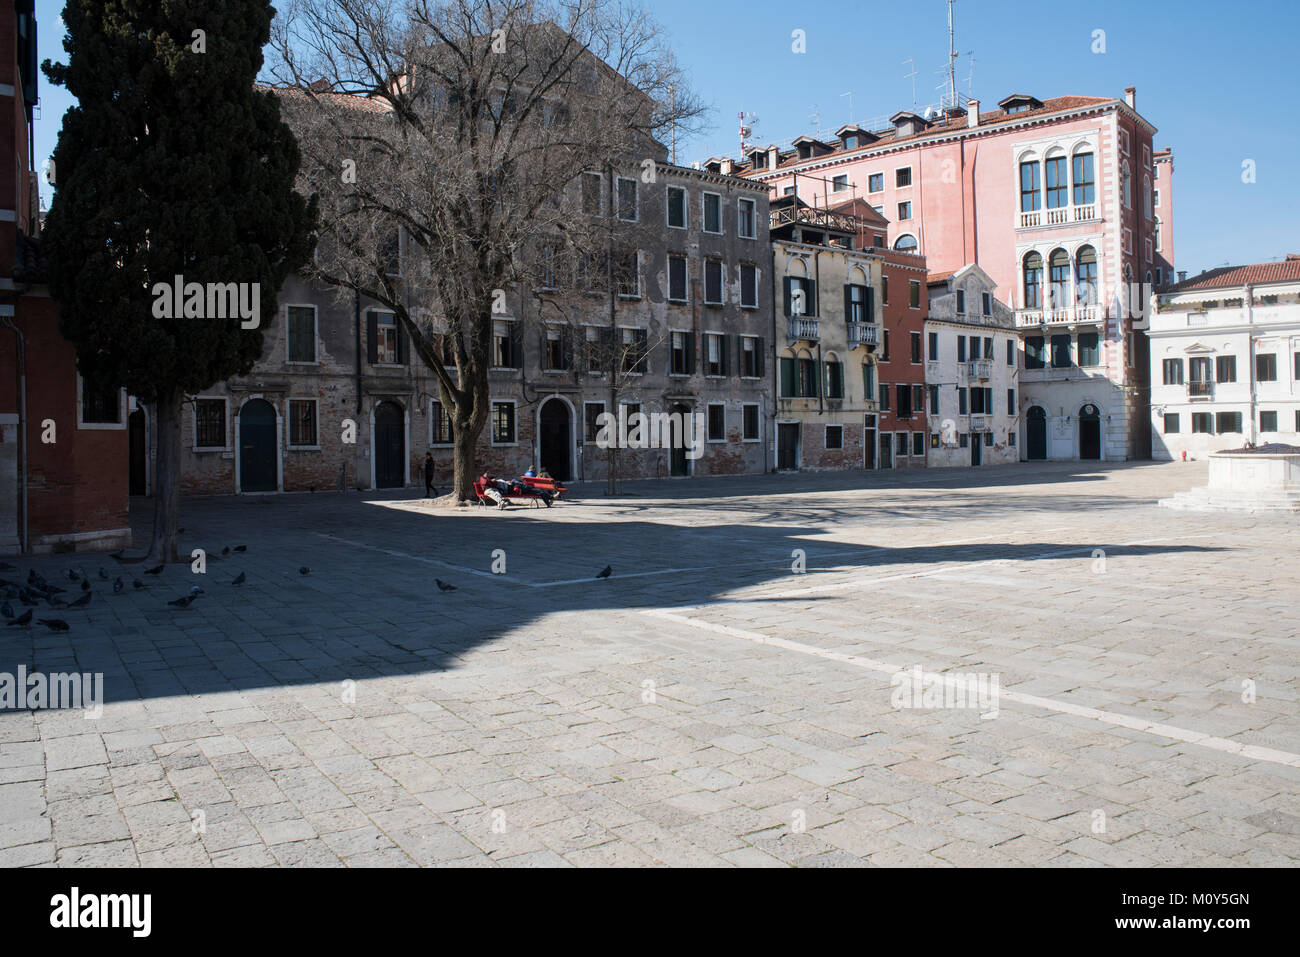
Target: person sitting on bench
<point>495,489</point>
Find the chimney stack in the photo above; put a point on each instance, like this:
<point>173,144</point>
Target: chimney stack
<point>728,166</point>
<point>773,156</point>
<point>1130,96</point>
<point>973,114</point>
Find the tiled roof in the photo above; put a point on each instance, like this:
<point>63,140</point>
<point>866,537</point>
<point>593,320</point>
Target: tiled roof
<point>1228,276</point>
<point>863,210</point>
<point>988,119</point>
<point>938,277</point>
<point>368,104</point>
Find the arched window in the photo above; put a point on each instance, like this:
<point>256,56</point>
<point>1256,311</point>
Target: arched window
<point>834,377</point>
<point>1126,185</point>
<point>1086,275</point>
<point>1146,196</point>
<point>1084,179</point>
<point>1059,276</point>
<point>906,243</point>
<point>1033,281</point>
<point>1030,196</point>
<point>1058,187</point>
<point>1159,243</point>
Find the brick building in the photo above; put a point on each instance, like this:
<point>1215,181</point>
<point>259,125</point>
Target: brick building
<point>63,441</point>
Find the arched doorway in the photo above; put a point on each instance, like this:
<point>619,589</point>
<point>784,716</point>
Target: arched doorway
<point>555,439</point>
<point>678,464</point>
<point>138,451</point>
<point>257,451</point>
<point>390,446</point>
<point>1036,433</point>
<point>1089,432</point>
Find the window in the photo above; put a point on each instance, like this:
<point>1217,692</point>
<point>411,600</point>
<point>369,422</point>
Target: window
<point>387,348</point>
<point>635,353</point>
<point>1061,352</point>
<point>1011,401</point>
<point>1227,422</point>
<point>1268,421</point>
<point>918,399</point>
<point>1030,196</point>
<point>840,183</point>
<point>439,424</point>
<point>809,288</point>
<point>1156,201</point>
<point>555,356</point>
<point>715,354</point>
<point>748,286</point>
<point>1203,422</point>
<point>1225,368</point>
<point>749,420</point>
<point>884,351</point>
<point>1297,366</point>
<point>301,333</point>
<point>1011,352</point>
<point>857,303</point>
<point>1084,180</point>
<point>918,443</point>
<point>834,436</point>
<point>1146,196</point>
<point>1159,242</point>
<point>1171,423</point>
<point>904,396</point>
<point>903,177</point>
<point>884,290</point>
<point>914,294</point>
<point>963,440</point>
<point>905,210</point>
<point>503,423</point>
<point>868,381</point>
<point>676,278</point>
<point>210,423</point>
<point>717,422</point>
<point>1126,185</point>
<point>1033,297</point>
<point>884,397</point>
<point>745,218</point>
<point>628,274</point>
<point>808,378</point>
<point>1059,279</point>
<point>751,357</point>
<point>1266,367</point>
<point>593,339</point>
<point>1089,349</point>
<point>591,413</point>
<point>546,271</point>
<point>390,253</point>
<point>712,213</point>
<point>906,243</point>
<point>961,303</point>
<point>591,183</point>
<point>986,303</point>
<point>934,399</point>
<point>713,282</point>
<point>875,182</point>
<point>933,343</point>
<point>900,444</point>
<point>1085,271</point>
<point>961,348</point>
<point>302,423</point>
<point>681,350</point>
<point>505,348</point>
<point>676,207</point>
<point>916,347</point>
<point>988,347</point>
<point>627,200</point>
<point>1035,352</point>
<point>981,401</point>
<point>1058,190</point>
<point>834,379</point>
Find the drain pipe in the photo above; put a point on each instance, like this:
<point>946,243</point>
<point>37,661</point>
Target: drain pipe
<point>8,323</point>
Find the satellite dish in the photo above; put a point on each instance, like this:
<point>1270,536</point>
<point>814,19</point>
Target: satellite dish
<point>928,111</point>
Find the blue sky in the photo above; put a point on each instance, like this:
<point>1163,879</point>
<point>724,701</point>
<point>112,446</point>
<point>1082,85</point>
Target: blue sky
<point>1219,81</point>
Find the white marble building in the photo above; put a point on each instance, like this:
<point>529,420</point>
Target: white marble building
<point>1225,361</point>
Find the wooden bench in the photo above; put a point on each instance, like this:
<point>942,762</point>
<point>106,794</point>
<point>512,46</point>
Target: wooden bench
<point>480,491</point>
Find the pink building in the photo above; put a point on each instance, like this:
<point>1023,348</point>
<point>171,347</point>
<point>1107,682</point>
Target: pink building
<point>1055,200</point>
<point>1164,219</point>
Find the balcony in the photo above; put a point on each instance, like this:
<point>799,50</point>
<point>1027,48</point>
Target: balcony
<point>1200,390</point>
<point>978,423</point>
<point>1026,318</point>
<point>802,329</point>
<point>863,334</point>
<point>870,405</point>
<point>1062,216</point>
<point>979,369</point>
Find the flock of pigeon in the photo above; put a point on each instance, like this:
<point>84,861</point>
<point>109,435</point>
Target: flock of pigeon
<point>38,589</point>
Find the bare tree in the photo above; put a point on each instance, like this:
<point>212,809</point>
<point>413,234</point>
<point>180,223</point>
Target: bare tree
<point>451,136</point>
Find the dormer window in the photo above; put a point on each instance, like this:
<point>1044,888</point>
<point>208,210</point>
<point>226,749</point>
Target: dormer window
<point>758,159</point>
<point>850,141</point>
<point>1019,103</point>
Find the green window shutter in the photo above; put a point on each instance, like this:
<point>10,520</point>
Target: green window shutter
<point>372,337</point>
<point>787,377</point>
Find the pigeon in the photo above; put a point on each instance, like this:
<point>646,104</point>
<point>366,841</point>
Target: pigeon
<point>185,601</point>
<point>605,572</point>
<point>241,548</point>
<point>55,602</point>
<point>23,621</point>
<point>117,585</point>
<point>240,580</point>
<point>73,576</point>
<point>103,575</point>
<point>443,586</point>
<point>156,570</point>
<point>225,551</point>
<point>7,610</point>
<point>82,602</point>
<point>137,584</point>
<point>304,570</point>
<point>85,584</point>
<point>27,598</point>
<point>54,624</point>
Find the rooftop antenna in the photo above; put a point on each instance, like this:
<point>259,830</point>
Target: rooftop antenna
<point>816,118</point>
<point>747,125</point>
<point>850,96</point>
<point>952,58</point>
<point>970,77</point>
<point>912,77</point>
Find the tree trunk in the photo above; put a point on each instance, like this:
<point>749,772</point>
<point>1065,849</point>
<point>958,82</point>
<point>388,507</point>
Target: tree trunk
<point>464,461</point>
<point>167,479</point>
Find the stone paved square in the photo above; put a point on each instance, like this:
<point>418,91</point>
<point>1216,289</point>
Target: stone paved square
<point>705,705</point>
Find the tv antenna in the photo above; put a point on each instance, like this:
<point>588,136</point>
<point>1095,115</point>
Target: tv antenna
<point>816,117</point>
<point>912,77</point>
<point>970,77</point>
<point>850,96</point>
<point>952,58</point>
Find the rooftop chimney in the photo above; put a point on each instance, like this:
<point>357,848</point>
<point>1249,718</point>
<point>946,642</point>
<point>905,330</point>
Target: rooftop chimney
<point>1182,275</point>
<point>728,166</point>
<point>1130,96</point>
<point>973,114</point>
<point>773,156</point>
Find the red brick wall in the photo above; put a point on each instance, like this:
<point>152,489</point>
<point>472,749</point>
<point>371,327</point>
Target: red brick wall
<point>900,320</point>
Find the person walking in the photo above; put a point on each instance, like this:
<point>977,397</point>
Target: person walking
<point>429,490</point>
